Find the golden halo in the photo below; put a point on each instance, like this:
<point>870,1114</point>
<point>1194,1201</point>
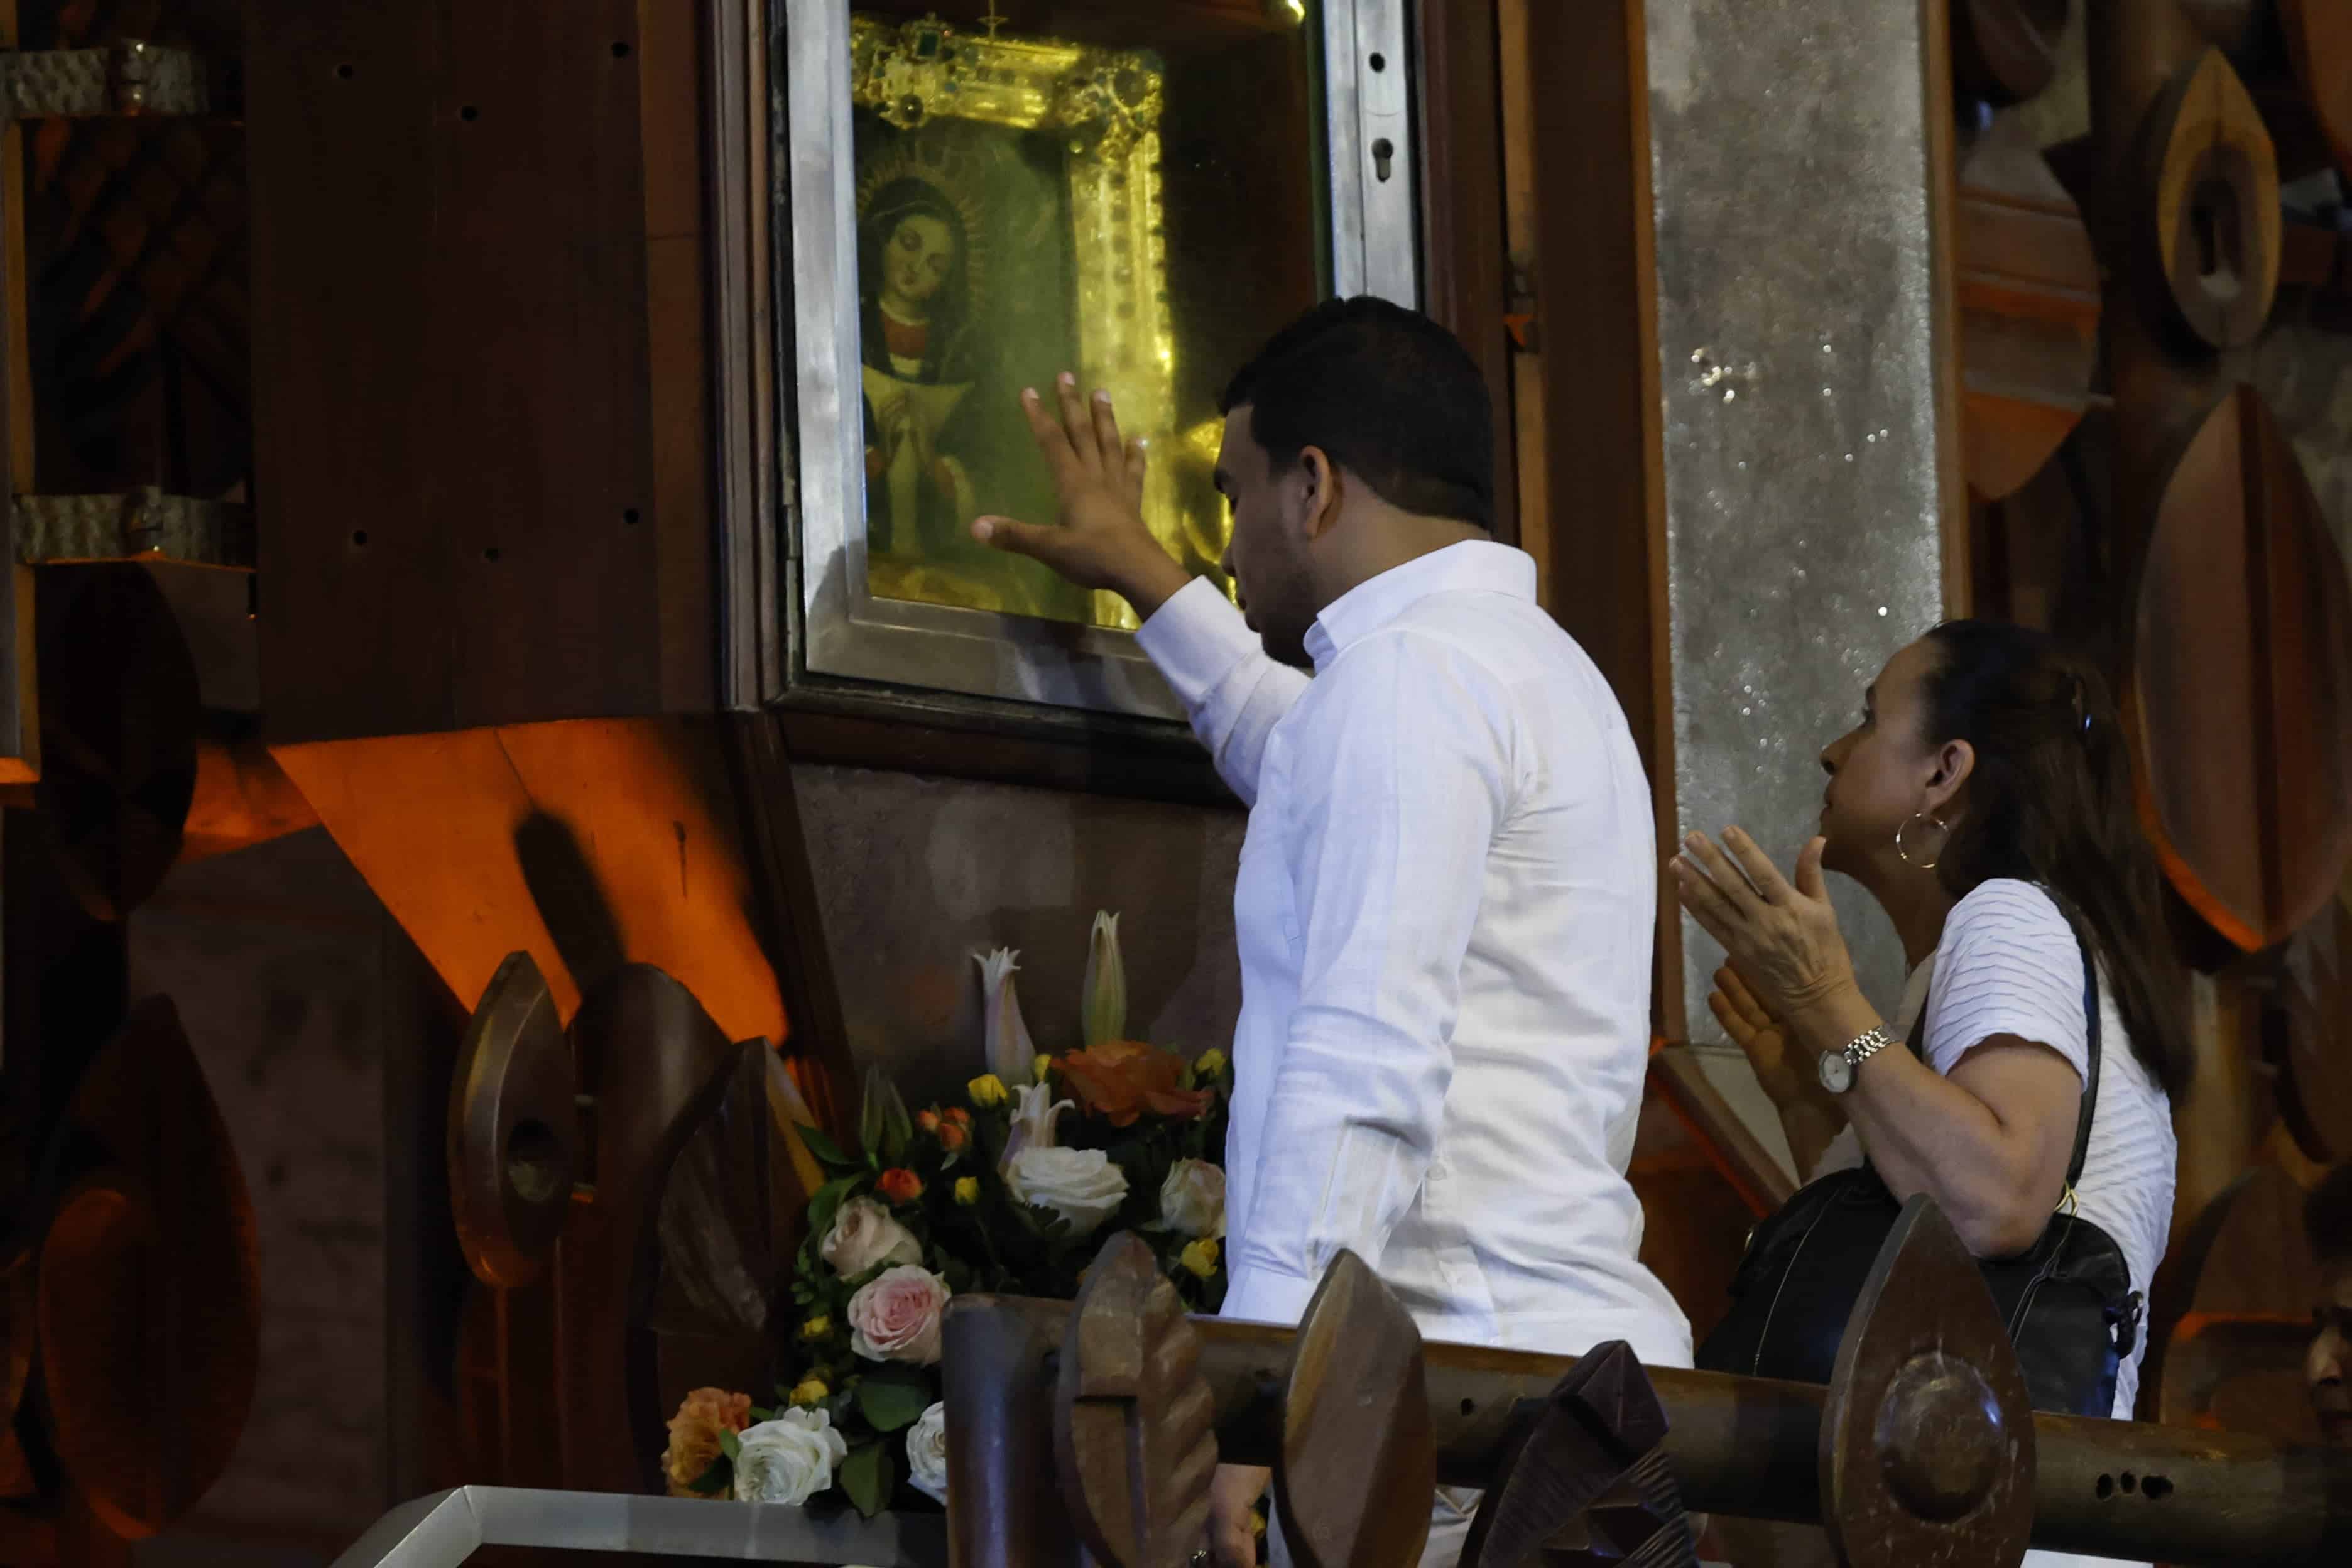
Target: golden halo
<point>951,172</point>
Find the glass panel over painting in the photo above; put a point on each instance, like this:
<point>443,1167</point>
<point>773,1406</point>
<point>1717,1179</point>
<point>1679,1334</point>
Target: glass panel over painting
<point>1130,189</point>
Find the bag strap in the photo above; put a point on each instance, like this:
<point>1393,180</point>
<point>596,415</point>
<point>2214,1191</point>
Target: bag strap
<point>2091,1035</point>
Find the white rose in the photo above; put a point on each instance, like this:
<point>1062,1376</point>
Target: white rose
<point>1193,1199</point>
<point>789,1459</point>
<point>1080,1185</point>
<point>927,1455</point>
<point>864,1235</point>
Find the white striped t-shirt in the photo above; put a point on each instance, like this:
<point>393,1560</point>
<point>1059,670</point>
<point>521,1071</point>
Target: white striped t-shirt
<point>2009,965</point>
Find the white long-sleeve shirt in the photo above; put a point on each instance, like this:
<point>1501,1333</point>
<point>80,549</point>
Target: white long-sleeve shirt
<point>1446,908</point>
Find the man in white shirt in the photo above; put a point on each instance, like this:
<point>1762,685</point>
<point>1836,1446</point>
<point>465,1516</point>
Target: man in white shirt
<point>1447,894</point>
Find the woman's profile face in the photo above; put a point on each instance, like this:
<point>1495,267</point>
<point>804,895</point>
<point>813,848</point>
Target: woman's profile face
<point>1881,770</point>
<point>917,259</point>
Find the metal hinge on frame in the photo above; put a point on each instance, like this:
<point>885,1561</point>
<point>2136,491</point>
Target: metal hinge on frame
<point>136,525</point>
<point>128,76</point>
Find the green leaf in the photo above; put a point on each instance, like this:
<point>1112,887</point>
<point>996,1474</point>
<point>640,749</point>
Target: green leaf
<point>893,1399</point>
<point>759,1416</point>
<point>897,1127</point>
<point>730,1445</point>
<point>867,1476</point>
<point>825,1204</point>
<point>870,1114</point>
<point>717,1478</point>
<point>828,1153</point>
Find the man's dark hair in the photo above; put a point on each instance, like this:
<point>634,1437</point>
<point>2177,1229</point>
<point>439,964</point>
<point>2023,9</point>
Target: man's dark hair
<point>1388,395</point>
<point>2327,1216</point>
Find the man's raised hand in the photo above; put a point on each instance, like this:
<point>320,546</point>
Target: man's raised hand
<point>1099,540</point>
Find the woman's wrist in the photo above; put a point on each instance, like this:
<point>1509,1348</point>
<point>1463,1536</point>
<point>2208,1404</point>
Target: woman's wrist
<point>1833,1020</point>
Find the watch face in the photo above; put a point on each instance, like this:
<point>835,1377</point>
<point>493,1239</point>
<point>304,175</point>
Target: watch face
<point>1837,1073</point>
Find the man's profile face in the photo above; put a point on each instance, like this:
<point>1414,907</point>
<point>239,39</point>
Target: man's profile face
<point>2327,1367</point>
<point>1267,556</point>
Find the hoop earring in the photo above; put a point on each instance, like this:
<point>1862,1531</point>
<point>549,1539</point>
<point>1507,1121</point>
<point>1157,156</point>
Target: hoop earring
<point>1903,852</point>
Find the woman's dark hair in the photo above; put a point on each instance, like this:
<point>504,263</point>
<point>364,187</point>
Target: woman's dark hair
<point>1389,394</point>
<point>2050,801</point>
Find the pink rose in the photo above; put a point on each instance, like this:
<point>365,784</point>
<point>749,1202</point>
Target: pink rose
<point>897,1317</point>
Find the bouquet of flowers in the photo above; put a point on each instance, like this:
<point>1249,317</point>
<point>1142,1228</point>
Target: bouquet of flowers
<point>1008,1192</point>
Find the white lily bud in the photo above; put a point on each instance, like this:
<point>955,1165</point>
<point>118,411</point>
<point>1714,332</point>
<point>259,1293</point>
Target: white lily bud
<point>1105,1011</point>
<point>1035,1113</point>
<point>1006,1034</point>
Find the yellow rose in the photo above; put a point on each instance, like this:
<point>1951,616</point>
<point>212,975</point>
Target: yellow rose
<point>987,1091</point>
<point>1200,1257</point>
<point>1042,1067</point>
<point>1258,1522</point>
<point>810,1391</point>
<point>817,1328</point>
<point>966,1190</point>
<point>1209,1064</point>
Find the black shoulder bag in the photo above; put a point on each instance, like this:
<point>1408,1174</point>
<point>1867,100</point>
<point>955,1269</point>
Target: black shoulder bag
<point>2068,1300</point>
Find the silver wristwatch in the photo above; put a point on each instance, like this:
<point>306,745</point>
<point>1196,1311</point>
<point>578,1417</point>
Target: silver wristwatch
<point>1837,1067</point>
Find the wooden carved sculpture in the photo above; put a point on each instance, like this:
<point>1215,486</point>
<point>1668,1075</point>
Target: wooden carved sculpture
<point>624,1267</point>
<point>148,1290</point>
<point>650,1053</point>
<point>2006,51</point>
<point>19,1304</point>
<point>2208,220</point>
<point>119,708</point>
<point>1927,1441</point>
<point>1359,1469</point>
<point>2297,57</point>
<point>728,1221</point>
<point>514,1128</point>
<point>1589,1482</point>
<point>1131,1417</point>
<point>2242,683</point>
<point>1892,1457</point>
<point>2236,1290</point>
<point>2319,46</point>
<point>2307,1034</point>
<point>2029,295</point>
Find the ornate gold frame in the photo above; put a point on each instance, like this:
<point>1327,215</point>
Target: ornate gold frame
<point>1108,101</point>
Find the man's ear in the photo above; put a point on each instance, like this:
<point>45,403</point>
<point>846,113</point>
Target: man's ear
<point>1323,485</point>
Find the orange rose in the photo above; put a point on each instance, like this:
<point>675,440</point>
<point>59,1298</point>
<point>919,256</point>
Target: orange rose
<point>1123,1079</point>
<point>928,1120</point>
<point>953,1136</point>
<point>694,1435</point>
<point>958,1115</point>
<point>900,1186</point>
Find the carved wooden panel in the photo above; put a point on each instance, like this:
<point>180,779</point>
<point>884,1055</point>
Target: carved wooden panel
<point>2207,221</point>
<point>2029,296</point>
<point>2222,1353</point>
<point>2243,682</point>
<point>149,1293</point>
<point>514,1128</point>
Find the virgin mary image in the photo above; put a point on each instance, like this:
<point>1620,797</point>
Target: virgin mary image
<point>916,268</point>
<point>940,339</point>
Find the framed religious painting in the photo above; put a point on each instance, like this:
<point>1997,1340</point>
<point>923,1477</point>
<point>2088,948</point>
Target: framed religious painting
<point>974,196</point>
